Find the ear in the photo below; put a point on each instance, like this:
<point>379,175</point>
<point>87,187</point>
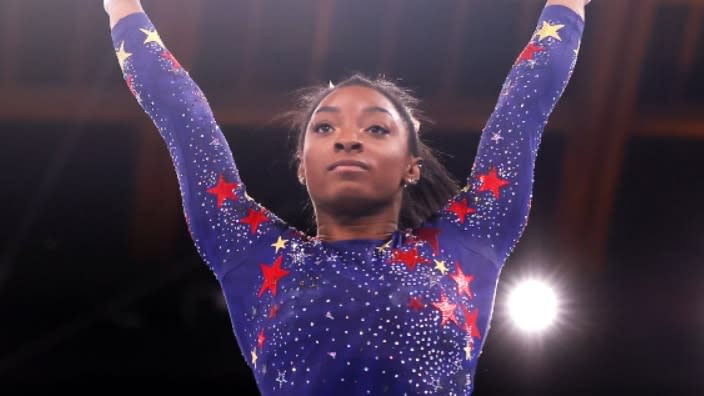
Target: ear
<point>300,172</point>
<point>413,171</point>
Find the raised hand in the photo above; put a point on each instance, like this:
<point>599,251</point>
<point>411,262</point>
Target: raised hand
<point>117,9</point>
<point>575,5</point>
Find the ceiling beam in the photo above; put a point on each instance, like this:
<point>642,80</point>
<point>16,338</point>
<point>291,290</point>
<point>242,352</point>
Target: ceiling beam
<point>82,27</point>
<point>454,47</point>
<point>390,35</point>
<point>250,40</point>
<point>9,41</point>
<point>684,122</point>
<point>180,35</point>
<point>595,151</point>
<point>691,3</point>
<point>619,124</point>
<point>580,168</point>
<point>321,40</point>
<point>529,11</point>
<point>689,49</point>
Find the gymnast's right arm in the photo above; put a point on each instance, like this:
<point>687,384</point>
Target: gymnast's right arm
<point>222,220</point>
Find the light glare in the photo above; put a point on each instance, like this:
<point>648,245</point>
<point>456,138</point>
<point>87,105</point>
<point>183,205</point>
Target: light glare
<point>532,305</point>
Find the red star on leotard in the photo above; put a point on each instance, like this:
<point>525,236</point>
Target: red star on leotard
<point>492,182</point>
<point>272,275</point>
<point>416,304</point>
<point>429,235</point>
<point>470,322</point>
<point>254,218</point>
<point>410,258</point>
<point>273,311</point>
<point>175,66</point>
<point>529,52</point>
<point>447,310</point>
<point>223,190</point>
<point>260,339</point>
<point>462,281</point>
<point>461,209</point>
<point>130,84</point>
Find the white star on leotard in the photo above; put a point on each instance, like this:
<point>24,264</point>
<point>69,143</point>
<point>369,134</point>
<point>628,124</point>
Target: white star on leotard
<point>281,379</point>
<point>497,137</point>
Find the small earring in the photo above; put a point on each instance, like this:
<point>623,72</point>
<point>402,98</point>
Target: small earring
<point>302,181</point>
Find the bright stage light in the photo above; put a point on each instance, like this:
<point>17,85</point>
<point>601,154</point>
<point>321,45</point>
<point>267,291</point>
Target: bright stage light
<point>532,305</point>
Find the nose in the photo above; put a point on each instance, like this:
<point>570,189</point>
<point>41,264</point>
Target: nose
<point>348,146</point>
<point>347,142</point>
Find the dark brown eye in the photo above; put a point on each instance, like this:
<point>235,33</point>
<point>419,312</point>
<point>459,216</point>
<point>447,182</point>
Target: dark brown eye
<point>378,130</point>
<point>323,128</point>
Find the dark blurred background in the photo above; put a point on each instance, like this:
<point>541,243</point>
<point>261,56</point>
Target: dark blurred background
<point>100,284</point>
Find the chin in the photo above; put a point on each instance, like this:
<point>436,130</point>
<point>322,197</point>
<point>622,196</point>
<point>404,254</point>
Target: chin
<point>354,202</point>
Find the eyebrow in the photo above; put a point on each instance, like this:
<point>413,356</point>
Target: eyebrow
<point>328,109</point>
<point>374,109</point>
<point>371,109</point>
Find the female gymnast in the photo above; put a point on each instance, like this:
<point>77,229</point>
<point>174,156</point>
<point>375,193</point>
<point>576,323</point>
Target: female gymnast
<point>394,293</point>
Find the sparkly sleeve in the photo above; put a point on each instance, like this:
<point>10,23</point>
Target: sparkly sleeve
<point>222,220</point>
<point>492,210</point>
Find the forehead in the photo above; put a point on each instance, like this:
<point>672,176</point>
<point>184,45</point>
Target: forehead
<point>356,98</point>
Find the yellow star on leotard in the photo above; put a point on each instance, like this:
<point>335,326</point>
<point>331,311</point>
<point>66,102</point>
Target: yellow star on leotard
<point>254,357</point>
<point>440,266</point>
<point>152,37</point>
<point>279,244</point>
<point>468,351</point>
<point>383,247</point>
<point>122,55</point>
<point>548,30</point>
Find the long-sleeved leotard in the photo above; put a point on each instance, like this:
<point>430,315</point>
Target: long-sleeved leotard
<point>408,315</point>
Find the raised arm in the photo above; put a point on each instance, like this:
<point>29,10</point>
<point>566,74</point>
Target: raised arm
<point>222,220</point>
<point>492,210</point>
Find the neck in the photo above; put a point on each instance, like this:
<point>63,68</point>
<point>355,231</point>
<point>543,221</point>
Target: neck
<point>335,227</point>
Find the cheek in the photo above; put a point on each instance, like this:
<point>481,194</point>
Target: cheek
<point>310,159</point>
<point>393,162</point>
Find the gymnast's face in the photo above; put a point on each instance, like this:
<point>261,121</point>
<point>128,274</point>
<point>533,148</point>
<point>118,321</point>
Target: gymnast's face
<point>355,153</point>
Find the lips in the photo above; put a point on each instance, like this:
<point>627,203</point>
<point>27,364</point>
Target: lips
<point>358,164</point>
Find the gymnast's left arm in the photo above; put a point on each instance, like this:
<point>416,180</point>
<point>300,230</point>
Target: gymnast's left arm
<point>492,210</point>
